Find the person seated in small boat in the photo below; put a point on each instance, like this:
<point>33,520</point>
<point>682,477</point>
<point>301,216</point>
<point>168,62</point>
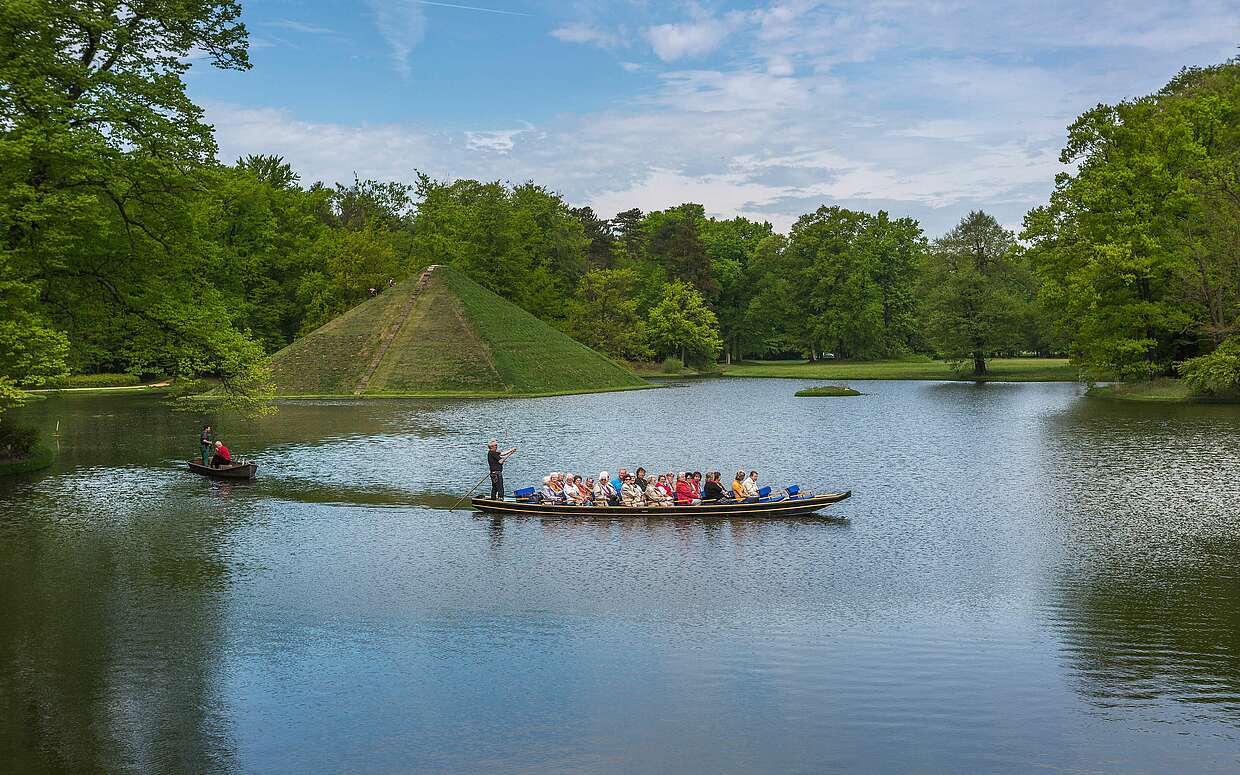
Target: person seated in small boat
<point>685,496</point>
<point>738,487</point>
<point>656,492</point>
<point>221,456</point>
<point>588,488</point>
<point>712,491</point>
<point>639,478</point>
<point>667,483</point>
<point>618,482</point>
<point>751,485</point>
<point>548,492</point>
<point>695,480</point>
<point>575,493</point>
<point>631,494</point>
<point>605,492</point>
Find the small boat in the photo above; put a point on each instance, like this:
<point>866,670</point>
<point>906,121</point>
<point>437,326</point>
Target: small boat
<point>770,508</point>
<point>234,471</point>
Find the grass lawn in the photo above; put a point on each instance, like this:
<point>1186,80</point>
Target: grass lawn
<point>828,391</point>
<point>1001,370</point>
<point>1153,390</point>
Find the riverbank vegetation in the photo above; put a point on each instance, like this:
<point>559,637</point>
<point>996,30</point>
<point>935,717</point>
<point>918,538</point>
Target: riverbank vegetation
<point>128,248</point>
<point>998,370</point>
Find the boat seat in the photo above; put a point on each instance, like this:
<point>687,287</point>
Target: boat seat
<point>523,492</point>
<point>764,492</point>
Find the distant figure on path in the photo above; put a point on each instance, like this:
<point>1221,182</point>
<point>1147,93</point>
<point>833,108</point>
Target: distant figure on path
<point>495,462</point>
<point>204,444</point>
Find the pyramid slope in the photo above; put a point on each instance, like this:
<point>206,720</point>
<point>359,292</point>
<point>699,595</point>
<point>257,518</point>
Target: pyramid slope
<point>448,336</point>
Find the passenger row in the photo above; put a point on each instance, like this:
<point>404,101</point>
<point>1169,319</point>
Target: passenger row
<point>686,488</point>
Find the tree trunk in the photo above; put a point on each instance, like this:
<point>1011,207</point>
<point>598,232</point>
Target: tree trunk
<point>683,360</point>
<point>979,363</point>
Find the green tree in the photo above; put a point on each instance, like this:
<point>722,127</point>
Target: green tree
<point>1137,249</point>
<point>604,314</point>
<point>682,324</point>
<point>971,288</point>
<point>675,243</point>
<point>100,155</point>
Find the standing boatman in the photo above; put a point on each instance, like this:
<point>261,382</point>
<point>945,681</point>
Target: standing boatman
<point>495,462</point>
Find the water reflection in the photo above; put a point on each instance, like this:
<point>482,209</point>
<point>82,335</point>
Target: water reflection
<point>1147,598</point>
<point>110,634</point>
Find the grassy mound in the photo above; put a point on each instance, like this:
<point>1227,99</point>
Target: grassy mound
<point>39,458</point>
<point>442,334</point>
<point>828,390</point>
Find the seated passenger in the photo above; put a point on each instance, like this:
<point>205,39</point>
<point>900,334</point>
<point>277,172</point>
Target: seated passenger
<point>221,457</point>
<point>618,482</point>
<point>639,478</point>
<point>685,495</point>
<point>751,485</point>
<point>548,492</point>
<point>576,493</point>
<point>695,479</point>
<point>667,483</point>
<point>656,495</point>
<point>605,493</point>
<point>712,492</point>
<point>631,494</point>
<point>738,486</point>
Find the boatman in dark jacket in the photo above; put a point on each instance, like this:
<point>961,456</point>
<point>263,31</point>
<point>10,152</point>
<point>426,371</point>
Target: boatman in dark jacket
<point>495,461</point>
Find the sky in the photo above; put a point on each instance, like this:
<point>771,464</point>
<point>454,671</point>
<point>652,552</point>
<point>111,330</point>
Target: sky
<point>764,109</point>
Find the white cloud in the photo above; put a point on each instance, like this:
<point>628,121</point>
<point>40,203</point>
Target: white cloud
<point>686,39</point>
<point>402,23</point>
<point>579,32</point>
<point>495,141</point>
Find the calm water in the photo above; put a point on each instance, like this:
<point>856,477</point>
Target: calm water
<point>1024,581</point>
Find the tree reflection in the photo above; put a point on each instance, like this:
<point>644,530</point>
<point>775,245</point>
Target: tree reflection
<point>110,631</point>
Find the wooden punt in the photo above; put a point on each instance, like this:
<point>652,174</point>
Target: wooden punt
<point>234,471</point>
<point>799,506</point>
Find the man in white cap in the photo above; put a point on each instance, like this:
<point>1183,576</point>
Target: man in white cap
<point>495,461</point>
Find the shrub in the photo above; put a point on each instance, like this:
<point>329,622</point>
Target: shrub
<point>671,365</point>
<point>16,441</point>
<point>1216,374</point>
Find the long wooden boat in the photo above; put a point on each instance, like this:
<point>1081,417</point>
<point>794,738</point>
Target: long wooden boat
<point>799,506</point>
<point>234,471</point>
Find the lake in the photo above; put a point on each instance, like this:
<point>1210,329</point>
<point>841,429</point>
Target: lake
<point>1025,580</point>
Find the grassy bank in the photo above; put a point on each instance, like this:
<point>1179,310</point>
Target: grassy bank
<point>1000,370</point>
<point>1153,390</point>
<point>40,457</point>
<point>827,391</point>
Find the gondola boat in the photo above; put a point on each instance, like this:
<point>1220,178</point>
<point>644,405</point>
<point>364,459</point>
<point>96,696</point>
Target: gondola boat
<point>234,471</point>
<point>769,508</point>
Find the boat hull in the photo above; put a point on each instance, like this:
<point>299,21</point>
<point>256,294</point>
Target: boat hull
<point>236,471</point>
<point>776,509</point>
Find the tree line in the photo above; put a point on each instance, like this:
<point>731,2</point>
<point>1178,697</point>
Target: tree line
<point>127,247</point>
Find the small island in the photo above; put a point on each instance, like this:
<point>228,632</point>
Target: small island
<point>828,390</point>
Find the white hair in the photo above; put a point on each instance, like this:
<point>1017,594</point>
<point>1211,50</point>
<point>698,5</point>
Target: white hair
<point>546,480</point>
<point>603,475</point>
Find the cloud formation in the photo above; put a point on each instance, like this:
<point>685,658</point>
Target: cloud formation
<point>401,24</point>
<point>926,110</point>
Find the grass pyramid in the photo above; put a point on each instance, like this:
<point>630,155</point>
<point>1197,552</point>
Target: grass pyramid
<point>442,334</point>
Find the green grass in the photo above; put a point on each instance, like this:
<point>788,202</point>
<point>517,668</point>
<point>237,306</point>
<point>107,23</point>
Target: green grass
<point>40,457</point>
<point>1000,370</point>
<point>459,340</point>
<point>828,390</point>
<point>1152,390</point>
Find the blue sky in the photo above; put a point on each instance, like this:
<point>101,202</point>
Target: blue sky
<point>765,109</point>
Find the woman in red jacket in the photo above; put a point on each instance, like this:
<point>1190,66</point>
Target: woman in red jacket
<point>222,456</point>
<point>685,496</point>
